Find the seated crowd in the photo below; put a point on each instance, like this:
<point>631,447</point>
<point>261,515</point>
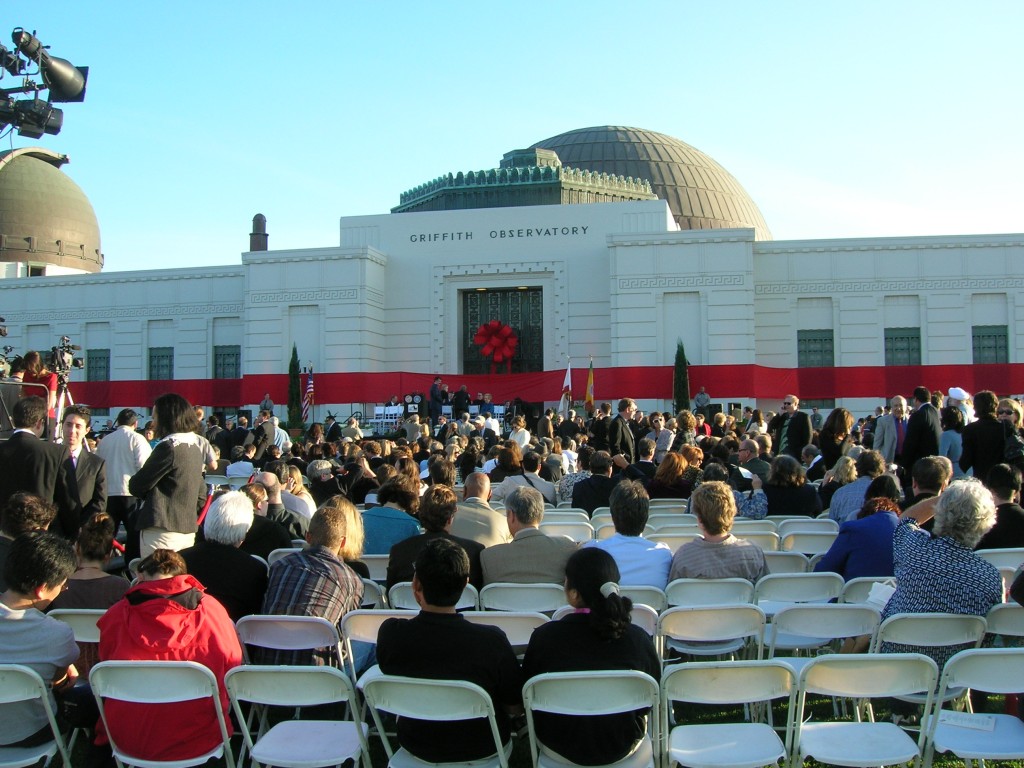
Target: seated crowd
<point>451,504</point>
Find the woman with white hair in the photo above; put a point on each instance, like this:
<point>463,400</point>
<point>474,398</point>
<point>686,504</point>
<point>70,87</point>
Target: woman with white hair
<point>939,572</point>
<point>237,579</point>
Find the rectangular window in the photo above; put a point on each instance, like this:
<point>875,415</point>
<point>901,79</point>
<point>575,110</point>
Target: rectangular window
<point>990,343</point>
<point>161,363</point>
<point>97,365</point>
<point>814,348</point>
<point>227,362</point>
<point>902,346</point>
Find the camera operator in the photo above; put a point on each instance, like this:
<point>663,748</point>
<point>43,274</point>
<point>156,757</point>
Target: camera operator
<point>37,372</point>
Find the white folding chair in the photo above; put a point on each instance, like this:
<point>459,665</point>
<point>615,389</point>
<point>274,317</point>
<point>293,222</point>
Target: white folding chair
<point>601,516</point>
<point>992,670</point>
<point>860,676</point>
<point>712,630</point>
<point>83,623</point>
<point>777,591</point>
<point>518,626</point>
<point>1004,619</point>
<point>641,595</point>
<point>298,743</point>
<point>931,630</point>
<point>660,519</point>
<point>767,541</point>
<point>857,590</point>
<point>642,616</point>
<point>566,515</point>
<point>605,531</point>
<point>786,562</point>
<point>807,542</point>
<point>289,633</point>
<point>677,529</point>
<point>374,595</point>
<point>672,541</point>
<point>157,682</point>
<point>438,700</point>
<point>401,596</point>
<point>283,552</point>
<point>378,566</point>
<point>646,618</point>
<point>1010,557</point>
<point>504,596</point>
<point>807,525</point>
<point>362,626</point>
<point>726,745</point>
<point>709,592</point>
<point>741,525</point>
<point>21,683</point>
<point>592,693</point>
<point>664,505</point>
<point>813,627</point>
<point>577,531</point>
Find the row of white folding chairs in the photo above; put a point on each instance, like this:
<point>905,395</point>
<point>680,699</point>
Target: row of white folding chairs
<point>862,676</point>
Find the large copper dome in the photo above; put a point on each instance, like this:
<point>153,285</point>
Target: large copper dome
<point>700,193</point>
<point>44,216</point>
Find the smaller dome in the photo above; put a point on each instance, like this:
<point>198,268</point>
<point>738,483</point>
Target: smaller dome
<point>44,216</point>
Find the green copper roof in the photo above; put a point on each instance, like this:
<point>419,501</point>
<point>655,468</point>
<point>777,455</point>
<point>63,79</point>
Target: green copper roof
<point>44,216</point>
<point>700,192</point>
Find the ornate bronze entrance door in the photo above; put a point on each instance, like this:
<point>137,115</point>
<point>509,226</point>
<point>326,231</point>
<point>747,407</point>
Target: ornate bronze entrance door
<point>522,309</point>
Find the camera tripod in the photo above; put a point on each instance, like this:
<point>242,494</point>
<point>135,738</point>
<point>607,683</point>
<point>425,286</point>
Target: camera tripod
<point>63,398</point>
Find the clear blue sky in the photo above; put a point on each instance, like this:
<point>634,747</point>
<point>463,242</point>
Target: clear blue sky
<point>840,119</point>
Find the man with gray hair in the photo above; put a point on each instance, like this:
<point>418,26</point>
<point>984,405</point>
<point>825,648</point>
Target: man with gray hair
<point>476,519</point>
<point>237,579</point>
<point>641,562</point>
<point>531,557</point>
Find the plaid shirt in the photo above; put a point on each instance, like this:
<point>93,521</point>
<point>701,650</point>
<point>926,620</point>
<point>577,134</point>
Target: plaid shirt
<point>313,582</point>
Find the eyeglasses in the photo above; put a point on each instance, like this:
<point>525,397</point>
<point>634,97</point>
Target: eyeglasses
<point>787,402</point>
<point>1005,413</point>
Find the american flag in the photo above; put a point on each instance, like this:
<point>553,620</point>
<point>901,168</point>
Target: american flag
<point>310,399</point>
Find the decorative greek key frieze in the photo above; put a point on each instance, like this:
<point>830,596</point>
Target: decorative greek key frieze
<point>148,311</point>
<point>685,281</point>
<point>288,297</point>
<point>828,287</point>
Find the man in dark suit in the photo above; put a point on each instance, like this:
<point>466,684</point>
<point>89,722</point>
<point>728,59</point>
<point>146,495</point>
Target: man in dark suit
<point>599,427</point>
<point>35,466</point>
<point>262,436</point>
<point>87,473</point>
<point>240,434</point>
<point>620,436</point>
<point>437,511</point>
<point>596,490</point>
<point>749,459</point>
<point>923,433</point>
<point>643,468</point>
<point>791,429</point>
<point>489,436</point>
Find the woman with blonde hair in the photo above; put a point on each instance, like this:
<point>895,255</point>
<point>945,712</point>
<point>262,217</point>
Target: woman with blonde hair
<point>845,471</point>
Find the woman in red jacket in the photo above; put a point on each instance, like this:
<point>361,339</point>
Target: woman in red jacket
<point>168,616</point>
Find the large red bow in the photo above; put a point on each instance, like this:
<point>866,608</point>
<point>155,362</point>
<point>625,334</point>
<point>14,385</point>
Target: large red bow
<point>498,341</point>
